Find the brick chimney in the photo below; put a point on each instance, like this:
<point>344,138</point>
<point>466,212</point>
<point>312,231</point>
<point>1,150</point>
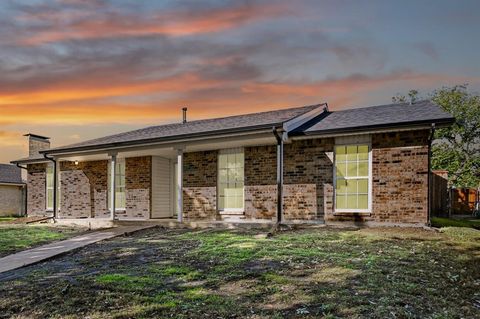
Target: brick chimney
<point>37,143</point>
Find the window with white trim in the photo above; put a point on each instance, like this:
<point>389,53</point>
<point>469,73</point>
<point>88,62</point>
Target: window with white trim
<point>49,187</point>
<point>352,178</point>
<point>231,179</point>
<point>119,184</point>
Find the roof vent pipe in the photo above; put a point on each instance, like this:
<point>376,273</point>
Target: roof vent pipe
<point>184,115</point>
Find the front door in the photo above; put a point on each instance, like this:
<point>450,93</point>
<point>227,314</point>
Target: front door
<point>162,188</point>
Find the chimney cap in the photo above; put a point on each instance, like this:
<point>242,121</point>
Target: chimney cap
<point>37,136</point>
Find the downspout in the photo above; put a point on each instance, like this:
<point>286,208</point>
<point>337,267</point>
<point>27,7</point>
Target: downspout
<point>25,190</point>
<point>54,184</point>
<point>429,181</point>
<point>279,139</point>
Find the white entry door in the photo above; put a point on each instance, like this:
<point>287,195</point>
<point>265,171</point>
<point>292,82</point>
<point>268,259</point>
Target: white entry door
<point>162,190</point>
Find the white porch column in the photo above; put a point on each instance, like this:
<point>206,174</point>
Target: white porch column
<point>57,187</point>
<point>113,170</point>
<point>179,183</point>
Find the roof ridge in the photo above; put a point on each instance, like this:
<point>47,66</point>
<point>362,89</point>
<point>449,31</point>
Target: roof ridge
<point>385,105</point>
<point>237,115</point>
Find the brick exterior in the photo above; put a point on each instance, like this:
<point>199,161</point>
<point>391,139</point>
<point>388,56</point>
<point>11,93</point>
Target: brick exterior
<point>400,177</point>
<point>399,194</point>
<point>307,169</point>
<point>399,180</point>
<point>261,182</point>
<point>35,145</point>
<point>200,185</point>
<point>84,189</point>
<point>138,186</point>
<point>36,186</point>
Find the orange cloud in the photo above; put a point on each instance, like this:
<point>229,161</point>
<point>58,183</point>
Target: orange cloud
<point>173,23</point>
<point>206,98</point>
<point>90,89</point>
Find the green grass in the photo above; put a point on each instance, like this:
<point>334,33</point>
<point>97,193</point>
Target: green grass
<point>450,222</point>
<point>7,219</point>
<point>312,273</point>
<point>19,237</point>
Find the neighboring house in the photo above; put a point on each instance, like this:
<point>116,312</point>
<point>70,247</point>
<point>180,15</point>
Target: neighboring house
<point>363,165</point>
<point>12,191</point>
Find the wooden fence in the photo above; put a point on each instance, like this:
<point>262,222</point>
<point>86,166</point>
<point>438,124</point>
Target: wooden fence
<point>439,193</point>
<point>462,199</point>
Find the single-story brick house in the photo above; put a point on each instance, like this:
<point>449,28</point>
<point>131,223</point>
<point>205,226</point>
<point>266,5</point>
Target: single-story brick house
<point>12,191</point>
<point>305,164</point>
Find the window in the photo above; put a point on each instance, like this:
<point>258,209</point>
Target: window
<point>119,185</point>
<point>352,178</point>
<point>230,179</point>
<point>49,187</point>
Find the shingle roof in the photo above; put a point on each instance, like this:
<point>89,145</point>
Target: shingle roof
<point>210,126</point>
<point>31,159</point>
<point>389,115</point>
<point>10,174</point>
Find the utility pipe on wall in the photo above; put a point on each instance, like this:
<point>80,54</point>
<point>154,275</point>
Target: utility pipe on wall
<point>278,133</point>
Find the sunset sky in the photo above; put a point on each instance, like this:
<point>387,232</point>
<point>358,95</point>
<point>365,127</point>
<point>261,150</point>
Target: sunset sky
<point>75,70</point>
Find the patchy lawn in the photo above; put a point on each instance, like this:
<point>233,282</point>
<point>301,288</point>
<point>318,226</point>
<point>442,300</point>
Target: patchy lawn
<point>7,219</point>
<point>14,238</point>
<point>310,273</point>
<point>452,222</point>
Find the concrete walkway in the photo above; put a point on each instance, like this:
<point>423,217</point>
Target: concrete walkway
<point>35,255</point>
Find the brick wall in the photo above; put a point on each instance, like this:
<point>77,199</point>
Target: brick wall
<point>138,186</point>
<point>261,182</point>
<point>36,194</point>
<point>399,183</point>
<point>307,168</point>
<point>399,178</point>
<point>307,171</point>
<point>84,189</point>
<point>200,185</point>
<point>35,145</point>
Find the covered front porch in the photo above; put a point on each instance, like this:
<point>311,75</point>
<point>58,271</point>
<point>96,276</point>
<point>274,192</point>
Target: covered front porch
<point>147,180</point>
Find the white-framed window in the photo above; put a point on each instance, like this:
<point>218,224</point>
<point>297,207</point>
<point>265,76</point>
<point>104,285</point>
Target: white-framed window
<point>231,179</point>
<point>119,184</point>
<point>49,186</point>
<point>353,177</point>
